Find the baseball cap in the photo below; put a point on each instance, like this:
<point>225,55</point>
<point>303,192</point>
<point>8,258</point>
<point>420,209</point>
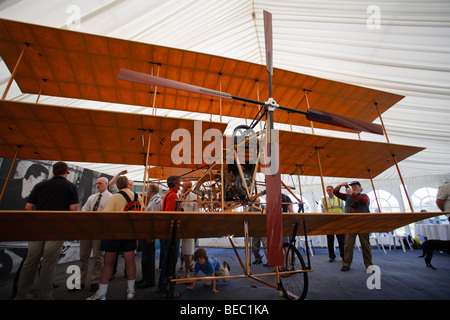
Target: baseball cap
<point>355,182</point>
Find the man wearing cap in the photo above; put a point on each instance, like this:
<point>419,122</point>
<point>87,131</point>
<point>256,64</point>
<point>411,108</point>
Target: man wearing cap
<point>55,194</point>
<point>170,203</point>
<point>355,202</point>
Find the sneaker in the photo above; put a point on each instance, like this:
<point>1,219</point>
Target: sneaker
<point>96,297</point>
<point>130,295</point>
<point>345,268</point>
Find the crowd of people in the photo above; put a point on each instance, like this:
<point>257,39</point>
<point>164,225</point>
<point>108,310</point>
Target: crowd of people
<point>60,194</point>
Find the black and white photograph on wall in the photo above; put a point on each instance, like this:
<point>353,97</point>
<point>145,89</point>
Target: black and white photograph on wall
<point>24,176</point>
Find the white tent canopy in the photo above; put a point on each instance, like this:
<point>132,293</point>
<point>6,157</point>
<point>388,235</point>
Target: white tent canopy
<point>401,47</point>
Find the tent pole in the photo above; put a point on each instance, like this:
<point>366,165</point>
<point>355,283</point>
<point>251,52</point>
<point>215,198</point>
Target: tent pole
<point>10,172</point>
<point>14,72</point>
<point>374,191</point>
<point>321,179</point>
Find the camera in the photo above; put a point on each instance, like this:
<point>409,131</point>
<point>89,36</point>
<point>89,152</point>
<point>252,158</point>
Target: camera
<point>347,187</point>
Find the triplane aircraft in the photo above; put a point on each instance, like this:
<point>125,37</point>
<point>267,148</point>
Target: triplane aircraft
<point>75,65</point>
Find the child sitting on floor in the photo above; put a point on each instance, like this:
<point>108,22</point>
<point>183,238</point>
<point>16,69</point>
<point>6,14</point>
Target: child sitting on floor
<point>210,267</point>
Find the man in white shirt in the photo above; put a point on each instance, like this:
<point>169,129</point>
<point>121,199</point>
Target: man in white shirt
<point>443,198</point>
<point>188,204</point>
<point>95,202</point>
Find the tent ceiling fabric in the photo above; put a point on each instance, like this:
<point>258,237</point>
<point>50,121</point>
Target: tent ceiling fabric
<point>84,66</point>
<point>401,47</point>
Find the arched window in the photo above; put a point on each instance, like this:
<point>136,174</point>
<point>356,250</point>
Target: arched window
<point>388,203</point>
<point>425,199</point>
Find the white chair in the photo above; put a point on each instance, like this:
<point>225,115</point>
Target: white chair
<point>378,240</point>
<point>395,236</point>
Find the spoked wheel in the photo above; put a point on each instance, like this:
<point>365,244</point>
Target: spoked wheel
<point>295,285</point>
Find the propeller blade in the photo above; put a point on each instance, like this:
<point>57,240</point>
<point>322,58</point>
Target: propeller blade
<point>343,121</point>
<point>273,179</point>
<point>268,41</point>
<point>144,78</point>
<point>311,114</point>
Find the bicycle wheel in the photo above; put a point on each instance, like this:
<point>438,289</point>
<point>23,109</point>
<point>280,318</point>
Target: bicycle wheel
<point>295,285</point>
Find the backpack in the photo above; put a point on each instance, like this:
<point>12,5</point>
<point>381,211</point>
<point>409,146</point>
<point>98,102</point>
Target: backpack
<point>131,205</point>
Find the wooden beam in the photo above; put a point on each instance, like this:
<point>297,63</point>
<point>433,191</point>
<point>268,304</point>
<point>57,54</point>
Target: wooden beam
<point>147,156</point>
<point>321,180</point>
<point>403,183</point>
<point>13,74</point>
<point>9,173</point>
<point>374,191</point>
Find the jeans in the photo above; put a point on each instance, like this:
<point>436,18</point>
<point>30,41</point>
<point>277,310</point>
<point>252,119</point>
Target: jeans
<point>164,259</point>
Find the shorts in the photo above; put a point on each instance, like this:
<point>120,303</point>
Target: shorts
<point>221,272</point>
<point>187,247</point>
<point>118,245</point>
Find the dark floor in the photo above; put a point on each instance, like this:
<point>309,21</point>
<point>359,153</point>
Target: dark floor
<point>403,276</point>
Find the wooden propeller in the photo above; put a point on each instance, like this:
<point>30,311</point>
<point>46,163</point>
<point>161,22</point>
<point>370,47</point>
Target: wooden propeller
<point>311,114</point>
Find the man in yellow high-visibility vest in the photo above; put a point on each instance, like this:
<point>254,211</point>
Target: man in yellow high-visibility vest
<point>334,205</point>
